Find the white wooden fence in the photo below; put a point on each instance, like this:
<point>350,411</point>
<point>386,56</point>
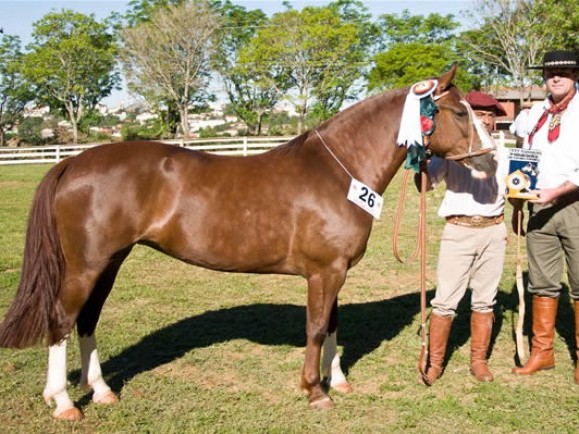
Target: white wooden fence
<point>227,146</point>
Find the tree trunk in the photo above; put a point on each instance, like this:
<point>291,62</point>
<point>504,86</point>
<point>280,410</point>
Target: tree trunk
<point>183,113</point>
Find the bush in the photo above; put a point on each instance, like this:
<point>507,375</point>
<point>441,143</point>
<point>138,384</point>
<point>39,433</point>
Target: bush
<point>136,131</point>
<point>30,131</point>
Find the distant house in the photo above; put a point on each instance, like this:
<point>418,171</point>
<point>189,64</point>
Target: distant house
<point>511,98</point>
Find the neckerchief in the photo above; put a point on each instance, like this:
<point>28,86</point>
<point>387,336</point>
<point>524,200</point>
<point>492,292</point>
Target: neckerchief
<point>555,125</point>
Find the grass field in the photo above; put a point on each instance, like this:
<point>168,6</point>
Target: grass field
<point>195,351</point>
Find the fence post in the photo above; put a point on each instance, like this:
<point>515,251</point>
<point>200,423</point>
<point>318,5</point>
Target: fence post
<point>58,153</point>
<point>502,138</point>
<point>245,146</point>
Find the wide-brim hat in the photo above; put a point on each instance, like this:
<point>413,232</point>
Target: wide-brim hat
<point>559,59</point>
<point>484,101</point>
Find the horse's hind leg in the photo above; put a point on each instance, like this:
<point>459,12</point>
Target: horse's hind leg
<point>56,384</point>
<point>332,374</point>
<point>91,378</point>
<point>77,294</point>
<point>73,294</point>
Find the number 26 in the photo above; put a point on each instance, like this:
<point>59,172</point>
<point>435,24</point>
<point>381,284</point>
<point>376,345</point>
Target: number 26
<point>367,197</point>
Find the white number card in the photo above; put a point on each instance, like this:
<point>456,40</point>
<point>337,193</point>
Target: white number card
<point>365,198</point>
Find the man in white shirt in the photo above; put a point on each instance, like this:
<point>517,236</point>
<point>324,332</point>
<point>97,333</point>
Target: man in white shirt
<point>472,249</point>
<point>520,125</point>
<point>553,227</point>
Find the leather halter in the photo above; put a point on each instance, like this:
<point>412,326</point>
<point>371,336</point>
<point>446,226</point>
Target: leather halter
<point>471,131</point>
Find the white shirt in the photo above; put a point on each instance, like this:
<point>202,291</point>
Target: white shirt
<point>559,161</point>
<point>519,126</point>
<point>466,194</point>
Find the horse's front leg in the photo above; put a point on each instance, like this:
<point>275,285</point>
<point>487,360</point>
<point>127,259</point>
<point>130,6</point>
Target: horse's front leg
<point>322,292</point>
<point>91,377</point>
<point>331,370</point>
<point>56,385</point>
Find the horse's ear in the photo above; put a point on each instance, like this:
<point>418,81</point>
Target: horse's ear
<point>445,81</point>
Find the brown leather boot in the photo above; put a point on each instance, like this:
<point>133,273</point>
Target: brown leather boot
<point>542,351</point>
<point>438,338</point>
<point>576,305</point>
<point>481,326</point>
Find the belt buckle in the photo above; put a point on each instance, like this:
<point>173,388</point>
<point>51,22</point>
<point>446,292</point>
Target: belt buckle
<point>476,220</point>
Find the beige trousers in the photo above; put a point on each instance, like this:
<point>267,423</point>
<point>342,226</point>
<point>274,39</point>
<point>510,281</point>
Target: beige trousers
<point>469,257</point>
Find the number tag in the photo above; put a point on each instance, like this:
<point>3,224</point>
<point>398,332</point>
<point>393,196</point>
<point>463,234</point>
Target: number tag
<point>365,198</point>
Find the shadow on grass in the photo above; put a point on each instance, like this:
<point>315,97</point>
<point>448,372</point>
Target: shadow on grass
<point>363,328</point>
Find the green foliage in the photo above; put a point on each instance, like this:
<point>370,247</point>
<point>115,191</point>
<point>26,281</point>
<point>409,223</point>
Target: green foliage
<point>415,47</point>
<point>408,28</point>
<point>71,63</point>
<point>30,131</point>
<point>407,63</point>
<point>141,11</point>
<point>318,58</point>
<point>251,89</point>
<point>322,54</point>
<point>151,130</point>
<point>561,19</point>
<point>15,93</point>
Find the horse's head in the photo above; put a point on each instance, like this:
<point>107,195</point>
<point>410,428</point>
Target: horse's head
<point>456,136</point>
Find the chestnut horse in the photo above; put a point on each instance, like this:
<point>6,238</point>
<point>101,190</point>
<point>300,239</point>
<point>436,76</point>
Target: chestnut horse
<point>284,211</point>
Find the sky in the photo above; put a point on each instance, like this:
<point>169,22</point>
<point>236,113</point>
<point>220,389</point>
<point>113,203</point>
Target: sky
<point>17,16</point>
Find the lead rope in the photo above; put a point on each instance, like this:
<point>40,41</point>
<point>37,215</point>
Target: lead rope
<point>521,291</point>
<point>419,248</point>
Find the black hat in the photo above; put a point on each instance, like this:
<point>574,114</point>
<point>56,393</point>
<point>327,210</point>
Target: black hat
<point>559,59</point>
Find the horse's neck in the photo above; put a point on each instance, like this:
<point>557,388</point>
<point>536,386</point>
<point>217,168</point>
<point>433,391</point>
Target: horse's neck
<point>363,137</point>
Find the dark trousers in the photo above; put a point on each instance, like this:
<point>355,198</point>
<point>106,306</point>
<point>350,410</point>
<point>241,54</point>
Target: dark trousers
<point>552,245</point>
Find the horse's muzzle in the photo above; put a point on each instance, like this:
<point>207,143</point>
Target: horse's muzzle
<point>485,163</point>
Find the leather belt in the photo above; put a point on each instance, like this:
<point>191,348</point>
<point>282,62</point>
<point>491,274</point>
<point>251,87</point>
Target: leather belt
<point>475,221</point>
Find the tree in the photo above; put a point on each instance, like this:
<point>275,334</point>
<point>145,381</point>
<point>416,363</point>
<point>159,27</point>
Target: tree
<point>71,63</point>
<point>561,19</point>
<point>415,47</point>
<point>15,93</point>
<point>406,28</point>
<point>166,59</point>
<point>252,90</point>
<point>140,11</point>
<point>320,51</point>
<point>513,34</point>
<point>509,37</point>
<point>407,63</point>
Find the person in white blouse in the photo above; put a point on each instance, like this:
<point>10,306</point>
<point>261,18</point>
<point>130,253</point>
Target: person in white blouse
<point>472,249</point>
<point>553,226</point>
<point>519,127</point>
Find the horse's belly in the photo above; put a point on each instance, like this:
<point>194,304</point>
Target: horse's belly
<point>229,248</point>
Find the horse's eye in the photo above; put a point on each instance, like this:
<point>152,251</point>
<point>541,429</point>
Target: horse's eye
<point>461,114</point>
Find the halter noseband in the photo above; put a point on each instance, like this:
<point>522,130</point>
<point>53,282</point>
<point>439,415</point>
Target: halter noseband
<point>471,128</point>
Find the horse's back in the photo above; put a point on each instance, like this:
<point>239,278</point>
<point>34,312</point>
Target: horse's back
<point>265,213</point>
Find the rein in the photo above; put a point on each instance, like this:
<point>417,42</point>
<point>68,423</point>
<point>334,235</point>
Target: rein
<point>420,248</point>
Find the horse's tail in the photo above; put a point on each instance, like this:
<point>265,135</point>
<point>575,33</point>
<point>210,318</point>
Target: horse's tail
<point>32,316</point>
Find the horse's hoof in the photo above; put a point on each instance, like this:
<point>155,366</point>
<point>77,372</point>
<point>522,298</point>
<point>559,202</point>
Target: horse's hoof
<point>108,398</point>
<point>71,414</point>
<point>323,403</point>
<point>342,387</point>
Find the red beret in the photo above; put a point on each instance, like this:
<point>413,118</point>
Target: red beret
<point>484,101</point>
